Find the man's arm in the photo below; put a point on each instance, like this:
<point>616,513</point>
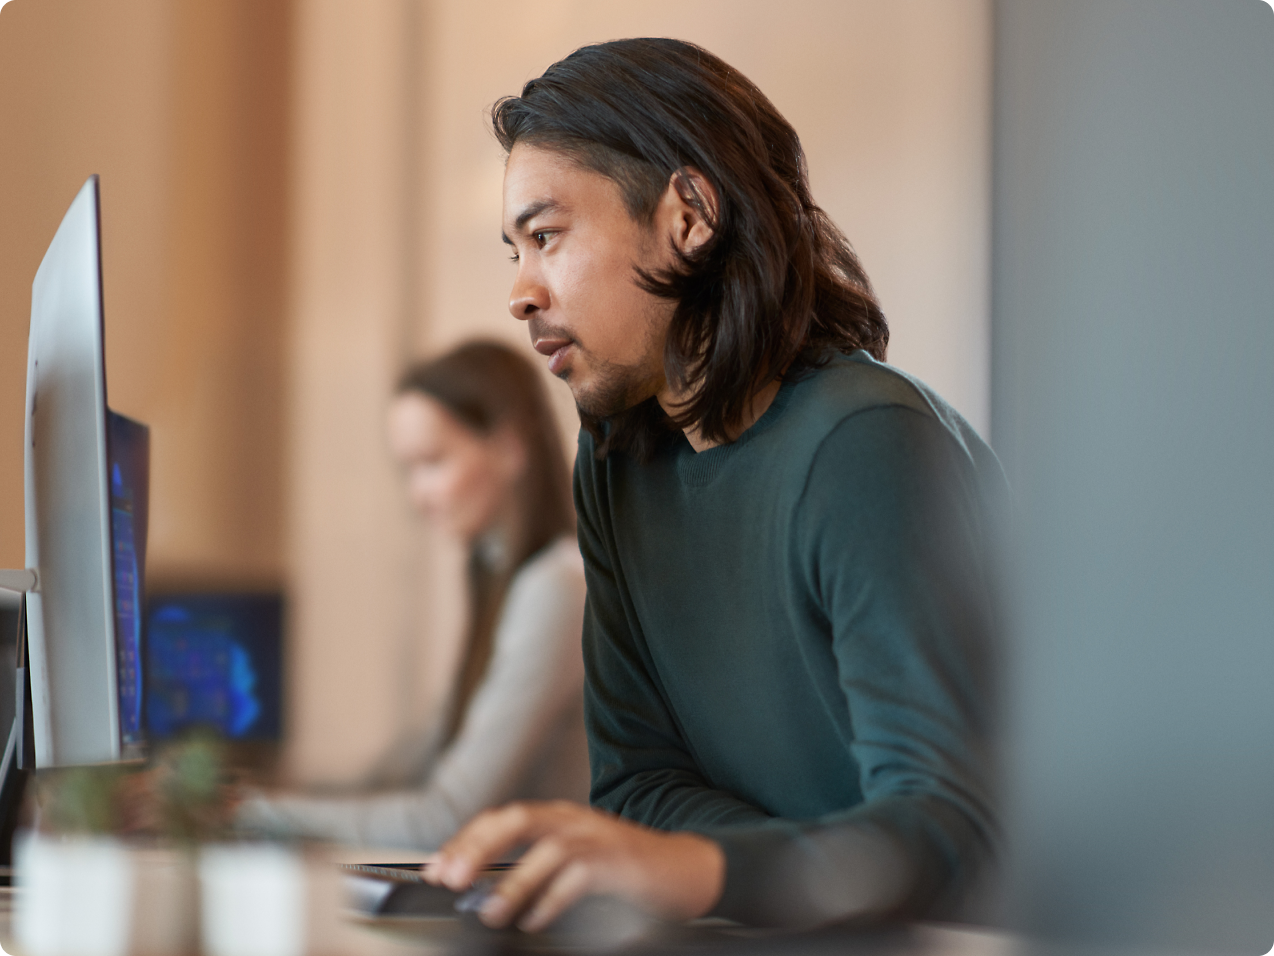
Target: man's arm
<point>894,537</point>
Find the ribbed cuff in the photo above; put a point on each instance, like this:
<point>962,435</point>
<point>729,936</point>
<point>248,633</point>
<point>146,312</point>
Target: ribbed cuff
<point>752,894</point>
<point>789,875</point>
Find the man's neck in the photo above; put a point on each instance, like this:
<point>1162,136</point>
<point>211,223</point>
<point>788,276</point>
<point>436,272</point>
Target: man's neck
<point>757,406</point>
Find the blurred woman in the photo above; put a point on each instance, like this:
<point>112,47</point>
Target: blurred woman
<point>483,461</point>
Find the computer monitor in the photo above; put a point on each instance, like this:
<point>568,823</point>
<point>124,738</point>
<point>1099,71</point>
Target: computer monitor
<point>86,493</point>
<point>214,660</point>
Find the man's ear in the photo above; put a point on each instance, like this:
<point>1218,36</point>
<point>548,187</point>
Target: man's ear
<point>688,210</point>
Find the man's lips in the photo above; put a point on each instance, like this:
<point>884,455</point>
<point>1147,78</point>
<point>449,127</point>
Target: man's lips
<point>556,349</point>
<point>547,346</point>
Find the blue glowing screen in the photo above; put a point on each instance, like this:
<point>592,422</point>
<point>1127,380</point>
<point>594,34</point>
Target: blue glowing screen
<point>129,453</point>
<point>214,660</point>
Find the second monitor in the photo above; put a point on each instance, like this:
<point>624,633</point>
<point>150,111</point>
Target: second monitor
<point>214,660</point>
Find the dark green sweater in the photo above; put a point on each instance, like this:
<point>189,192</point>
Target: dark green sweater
<point>787,646</point>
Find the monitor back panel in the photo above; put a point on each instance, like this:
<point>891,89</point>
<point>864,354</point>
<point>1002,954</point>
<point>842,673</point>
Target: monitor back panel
<point>68,539</point>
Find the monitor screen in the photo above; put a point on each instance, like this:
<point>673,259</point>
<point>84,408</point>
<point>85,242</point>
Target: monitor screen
<point>215,660</point>
<point>129,456</point>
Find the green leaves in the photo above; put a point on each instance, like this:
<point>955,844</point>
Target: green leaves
<point>183,795</point>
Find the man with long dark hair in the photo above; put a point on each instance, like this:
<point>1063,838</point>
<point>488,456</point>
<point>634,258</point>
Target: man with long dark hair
<point>787,634</point>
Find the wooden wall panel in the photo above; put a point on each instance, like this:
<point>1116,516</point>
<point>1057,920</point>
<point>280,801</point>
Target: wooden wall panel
<point>183,111</point>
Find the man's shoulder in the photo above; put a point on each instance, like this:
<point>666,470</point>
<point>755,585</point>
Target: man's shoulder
<point>849,385</point>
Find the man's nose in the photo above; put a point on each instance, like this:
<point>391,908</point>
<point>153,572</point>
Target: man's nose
<point>527,298</point>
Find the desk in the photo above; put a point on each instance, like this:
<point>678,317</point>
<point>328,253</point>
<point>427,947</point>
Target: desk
<point>336,932</point>
<point>912,940</point>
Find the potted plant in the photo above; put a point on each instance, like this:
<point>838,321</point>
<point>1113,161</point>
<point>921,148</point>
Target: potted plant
<point>111,865</point>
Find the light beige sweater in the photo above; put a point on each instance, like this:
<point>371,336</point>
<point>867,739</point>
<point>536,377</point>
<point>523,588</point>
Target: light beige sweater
<point>522,738</point>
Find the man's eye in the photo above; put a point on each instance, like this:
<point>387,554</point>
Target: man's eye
<point>541,238</point>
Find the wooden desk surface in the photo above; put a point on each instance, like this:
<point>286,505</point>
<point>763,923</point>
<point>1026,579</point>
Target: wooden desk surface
<point>352,936</point>
<point>334,931</point>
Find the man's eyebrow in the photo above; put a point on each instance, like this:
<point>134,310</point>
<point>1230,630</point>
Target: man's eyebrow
<point>529,213</point>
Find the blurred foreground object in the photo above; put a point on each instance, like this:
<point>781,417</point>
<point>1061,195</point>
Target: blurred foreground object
<point>252,900</point>
<point>83,895</point>
<point>88,891</point>
<point>193,794</point>
<point>99,896</point>
<point>85,889</point>
<point>86,801</point>
<point>75,895</point>
<point>184,797</point>
<point>1134,336</point>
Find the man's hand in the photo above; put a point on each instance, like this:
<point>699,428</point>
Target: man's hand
<point>574,852</point>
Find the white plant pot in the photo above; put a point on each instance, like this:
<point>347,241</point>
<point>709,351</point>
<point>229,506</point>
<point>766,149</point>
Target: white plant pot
<point>75,896</point>
<point>253,900</point>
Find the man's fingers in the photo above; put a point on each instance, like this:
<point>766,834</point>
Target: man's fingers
<point>429,869</point>
<point>567,887</point>
<point>486,838</point>
<point>574,852</point>
<point>524,882</point>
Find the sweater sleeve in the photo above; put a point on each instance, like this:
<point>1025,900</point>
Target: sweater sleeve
<point>534,681</point>
<point>641,766</point>
<point>892,539</point>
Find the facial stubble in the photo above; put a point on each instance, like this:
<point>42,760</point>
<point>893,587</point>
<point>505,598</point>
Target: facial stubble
<point>616,387</point>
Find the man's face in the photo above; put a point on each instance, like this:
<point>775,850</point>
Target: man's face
<point>577,249</point>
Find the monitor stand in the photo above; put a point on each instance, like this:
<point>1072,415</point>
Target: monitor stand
<point>19,752</point>
<point>21,579</point>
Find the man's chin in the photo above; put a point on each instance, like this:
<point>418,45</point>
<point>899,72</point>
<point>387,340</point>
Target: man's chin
<point>605,402</point>
<point>601,392</point>
<point>588,405</point>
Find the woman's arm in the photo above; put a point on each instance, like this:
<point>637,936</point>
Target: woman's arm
<point>524,708</point>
